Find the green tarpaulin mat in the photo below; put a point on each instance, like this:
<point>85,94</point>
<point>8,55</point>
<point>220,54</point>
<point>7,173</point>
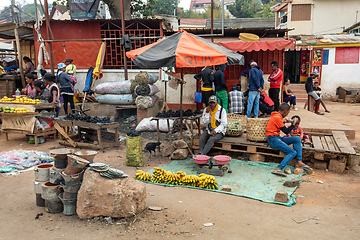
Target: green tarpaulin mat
<point>248,179</point>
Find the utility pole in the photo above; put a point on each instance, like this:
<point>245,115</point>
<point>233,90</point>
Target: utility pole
<point>48,35</point>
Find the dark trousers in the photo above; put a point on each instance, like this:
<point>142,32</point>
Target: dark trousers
<point>274,95</point>
<point>207,141</point>
<point>205,96</point>
<point>264,108</point>
<point>291,99</point>
<point>68,99</point>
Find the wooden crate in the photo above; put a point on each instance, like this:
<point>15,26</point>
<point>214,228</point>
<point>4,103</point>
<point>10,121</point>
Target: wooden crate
<point>7,88</point>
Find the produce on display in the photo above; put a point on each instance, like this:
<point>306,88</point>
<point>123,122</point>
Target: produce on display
<point>207,181</point>
<point>22,100</point>
<point>190,180</point>
<point>141,175</point>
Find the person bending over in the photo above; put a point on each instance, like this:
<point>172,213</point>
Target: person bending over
<point>275,125</point>
<point>214,117</point>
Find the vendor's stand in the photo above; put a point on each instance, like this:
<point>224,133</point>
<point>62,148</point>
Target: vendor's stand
<point>183,50</point>
<point>24,121</point>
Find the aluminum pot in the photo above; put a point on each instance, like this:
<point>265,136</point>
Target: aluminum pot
<point>69,205</point>
<point>87,154</point>
<point>54,205</point>
<point>73,179</point>
<point>40,202</point>
<point>50,191</point>
<point>55,177</point>
<point>42,172</point>
<point>37,187</point>
<point>60,153</point>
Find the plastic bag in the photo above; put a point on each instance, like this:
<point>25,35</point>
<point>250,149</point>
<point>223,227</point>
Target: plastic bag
<point>147,90</point>
<point>119,87</point>
<point>145,102</point>
<point>116,99</point>
<point>146,125</point>
<point>134,155</point>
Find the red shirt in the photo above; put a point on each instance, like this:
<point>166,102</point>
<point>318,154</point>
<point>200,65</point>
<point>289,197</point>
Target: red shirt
<point>274,125</point>
<point>276,78</point>
<point>267,99</point>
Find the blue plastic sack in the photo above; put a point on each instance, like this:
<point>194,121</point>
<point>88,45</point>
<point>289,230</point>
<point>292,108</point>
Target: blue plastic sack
<point>198,97</point>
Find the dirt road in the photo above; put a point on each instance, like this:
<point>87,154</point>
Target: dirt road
<point>336,204</point>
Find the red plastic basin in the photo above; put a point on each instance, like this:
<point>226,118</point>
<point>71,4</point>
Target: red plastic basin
<point>201,159</point>
<point>222,159</point>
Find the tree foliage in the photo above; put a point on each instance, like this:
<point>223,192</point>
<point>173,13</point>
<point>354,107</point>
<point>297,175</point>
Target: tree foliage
<point>253,8</point>
<point>165,6</point>
<point>206,15</point>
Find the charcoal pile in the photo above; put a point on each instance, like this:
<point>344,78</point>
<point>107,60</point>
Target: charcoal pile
<point>170,113</point>
<point>89,119</point>
<point>142,90</point>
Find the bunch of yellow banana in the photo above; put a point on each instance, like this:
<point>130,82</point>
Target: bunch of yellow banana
<point>190,180</point>
<point>159,175</point>
<point>207,181</point>
<point>141,175</point>
<point>181,174</point>
<point>172,178</point>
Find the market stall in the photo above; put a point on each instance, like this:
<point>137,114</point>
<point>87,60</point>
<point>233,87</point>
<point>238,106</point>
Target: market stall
<point>31,118</point>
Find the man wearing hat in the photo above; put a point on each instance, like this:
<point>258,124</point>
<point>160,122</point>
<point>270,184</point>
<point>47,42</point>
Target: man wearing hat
<point>70,66</point>
<point>214,117</point>
<point>309,86</point>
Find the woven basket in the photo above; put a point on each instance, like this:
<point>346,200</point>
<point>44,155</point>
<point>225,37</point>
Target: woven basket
<point>237,117</point>
<point>234,129</point>
<point>256,129</point>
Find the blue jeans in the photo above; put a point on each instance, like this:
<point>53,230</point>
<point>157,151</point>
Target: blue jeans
<point>291,99</point>
<point>282,144</point>
<point>253,99</point>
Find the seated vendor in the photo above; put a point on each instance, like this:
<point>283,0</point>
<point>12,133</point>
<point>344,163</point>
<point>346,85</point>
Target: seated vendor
<point>275,125</point>
<point>41,91</point>
<point>29,90</point>
<point>215,119</point>
<point>54,96</point>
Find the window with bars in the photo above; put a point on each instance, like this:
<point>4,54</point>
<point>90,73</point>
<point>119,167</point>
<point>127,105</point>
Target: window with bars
<point>301,12</point>
<point>136,28</point>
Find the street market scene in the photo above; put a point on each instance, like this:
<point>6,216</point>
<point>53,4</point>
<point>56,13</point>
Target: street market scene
<point>166,119</point>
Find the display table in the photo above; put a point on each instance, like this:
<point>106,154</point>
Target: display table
<point>95,132</point>
<point>24,123</point>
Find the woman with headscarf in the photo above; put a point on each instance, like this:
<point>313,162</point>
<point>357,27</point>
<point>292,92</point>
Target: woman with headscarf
<point>29,66</point>
<point>66,86</point>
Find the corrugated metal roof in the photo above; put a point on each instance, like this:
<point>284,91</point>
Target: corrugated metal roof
<point>6,47</point>
<point>24,31</point>
<point>335,39</point>
<point>243,23</point>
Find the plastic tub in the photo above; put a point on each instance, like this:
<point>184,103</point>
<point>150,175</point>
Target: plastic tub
<point>201,159</point>
<point>222,159</point>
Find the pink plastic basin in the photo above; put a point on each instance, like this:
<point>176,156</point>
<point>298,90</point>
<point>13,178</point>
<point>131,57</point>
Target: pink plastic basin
<point>201,159</point>
<point>222,159</point>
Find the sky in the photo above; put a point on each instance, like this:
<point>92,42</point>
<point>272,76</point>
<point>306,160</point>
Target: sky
<point>3,3</point>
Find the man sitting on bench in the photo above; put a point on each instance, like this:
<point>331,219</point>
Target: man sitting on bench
<point>275,125</point>
<point>214,117</point>
<point>309,86</point>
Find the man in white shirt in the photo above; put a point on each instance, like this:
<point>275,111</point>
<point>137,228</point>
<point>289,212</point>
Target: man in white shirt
<point>214,117</point>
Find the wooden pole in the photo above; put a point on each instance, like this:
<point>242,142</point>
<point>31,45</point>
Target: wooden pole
<point>48,36</point>
<point>123,34</point>
<point>181,102</point>
<point>19,56</point>
<point>212,20</point>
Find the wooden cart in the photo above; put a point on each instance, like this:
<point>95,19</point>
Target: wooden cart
<point>24,123</point>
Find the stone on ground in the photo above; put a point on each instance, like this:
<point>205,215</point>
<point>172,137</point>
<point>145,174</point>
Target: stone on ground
<point>179,154</point>
<point>281,196</point>
<point>168,151</point>
<point>320,165</point>
<point>116,198</point>
<point>180,144</point>
<point>298,171</point>
<point>337,166</point>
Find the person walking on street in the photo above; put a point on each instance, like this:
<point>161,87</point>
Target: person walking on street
<point>275,79</point>
<point>220,87</point>
<point>207,77</point>
<point>256,83</point>
<point>66,86</point>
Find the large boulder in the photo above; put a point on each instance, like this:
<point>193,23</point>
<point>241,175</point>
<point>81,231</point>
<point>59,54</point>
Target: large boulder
<point>101,196</point>
<point>179,154</point>
<point>180,144</point>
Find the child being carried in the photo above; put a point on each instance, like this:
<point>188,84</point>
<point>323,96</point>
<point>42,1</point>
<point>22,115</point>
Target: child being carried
<point>297,131</point>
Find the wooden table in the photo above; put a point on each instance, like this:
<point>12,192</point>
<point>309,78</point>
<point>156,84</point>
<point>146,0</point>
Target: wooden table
<point>90,131</point>
<point>192,119</point>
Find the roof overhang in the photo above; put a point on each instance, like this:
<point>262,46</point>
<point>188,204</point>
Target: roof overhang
<point>266,45</point>
<point>24,30</point>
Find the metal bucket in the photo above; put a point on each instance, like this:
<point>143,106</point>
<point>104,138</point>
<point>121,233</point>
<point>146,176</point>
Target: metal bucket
<point>54,205</point>
<point>69,205</point>
<point>37,187</point>
<point>71,188</point>
<point>55,177</point>
<point>72,179</point>
<point>75,164</point>
<point>69,195</point>
<point>50,191</point>
<point>60,153</point>
<point>87,154</point>
<point>40,202</point>
<point>42,172</point>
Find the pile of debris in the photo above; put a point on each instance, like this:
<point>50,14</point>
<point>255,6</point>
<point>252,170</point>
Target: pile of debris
<point>178,150</point>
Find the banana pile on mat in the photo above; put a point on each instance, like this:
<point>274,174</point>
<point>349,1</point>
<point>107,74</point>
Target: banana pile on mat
<point>207,181</point>
<point>141,175</point>
<point>190,180</point>
<point>158,175</point>
<point>180,178</point>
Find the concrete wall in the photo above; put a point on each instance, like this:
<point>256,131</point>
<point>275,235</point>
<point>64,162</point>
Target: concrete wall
<point>335,75</point>
<point>328,16</point>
